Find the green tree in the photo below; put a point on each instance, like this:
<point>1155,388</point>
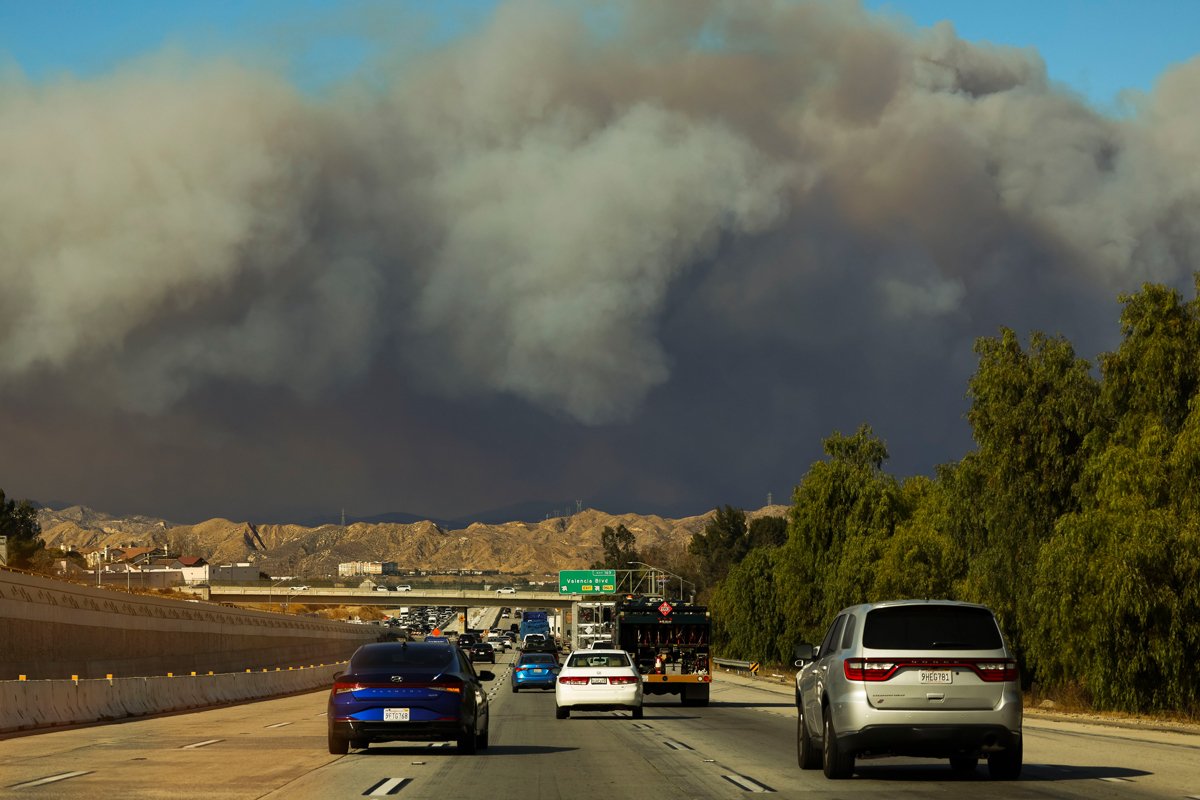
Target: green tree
<point>844,507</point>
<point>766,532</point>
<point>1031,414</point>
<point>720,545</point>
<point>618,545</point>
<point>18,521</point>
<point>745,609</point>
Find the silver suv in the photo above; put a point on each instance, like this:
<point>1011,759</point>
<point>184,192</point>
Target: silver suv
<point>925,678</point>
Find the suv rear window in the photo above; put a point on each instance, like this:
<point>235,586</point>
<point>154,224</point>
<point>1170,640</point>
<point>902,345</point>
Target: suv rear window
<point>931,628</point>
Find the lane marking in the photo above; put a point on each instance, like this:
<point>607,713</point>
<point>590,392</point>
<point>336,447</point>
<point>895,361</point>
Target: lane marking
<point>643,726</point>
<point>387,786</point>
<point>279,725</point>
<point>1117,780</point>
<point>749,784</point>
<point>62,776</point>
<point>677,745</point>
<point>205,743</point>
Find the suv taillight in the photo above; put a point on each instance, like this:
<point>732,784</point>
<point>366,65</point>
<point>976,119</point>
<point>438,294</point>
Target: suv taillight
<point>882,669</point>
<point>1004,669</point>
<point>868,669</point>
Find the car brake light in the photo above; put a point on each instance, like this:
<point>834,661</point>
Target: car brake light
<point>341,688</point>
<point>622,680</point>
<point>866,669</point>
<point>572,681</point>
<point>996,671</point>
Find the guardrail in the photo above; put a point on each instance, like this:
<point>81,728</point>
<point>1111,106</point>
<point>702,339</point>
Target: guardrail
<point>733,663</point>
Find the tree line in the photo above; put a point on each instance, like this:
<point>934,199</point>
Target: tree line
<point>1076,518</point>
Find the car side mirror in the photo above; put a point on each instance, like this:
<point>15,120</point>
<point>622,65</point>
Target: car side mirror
<point>802,653</point>
<point>487,675</point>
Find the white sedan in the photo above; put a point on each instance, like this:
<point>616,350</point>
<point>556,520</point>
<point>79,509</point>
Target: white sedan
<point>598,680</point>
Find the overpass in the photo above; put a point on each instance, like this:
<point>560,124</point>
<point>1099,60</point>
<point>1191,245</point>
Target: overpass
<point>324,596</point>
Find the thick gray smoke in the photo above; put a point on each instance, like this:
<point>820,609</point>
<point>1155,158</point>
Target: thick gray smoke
<point>567,208</point>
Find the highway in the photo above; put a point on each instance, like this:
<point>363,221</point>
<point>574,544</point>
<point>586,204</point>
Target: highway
<point>741,744</point>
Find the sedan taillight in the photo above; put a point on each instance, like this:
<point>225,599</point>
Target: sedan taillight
<point>622,680</point>
<point>572,681</point>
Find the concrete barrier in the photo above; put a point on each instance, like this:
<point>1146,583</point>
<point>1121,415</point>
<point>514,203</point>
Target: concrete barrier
<point>53,629</point>
<point>28,705</point>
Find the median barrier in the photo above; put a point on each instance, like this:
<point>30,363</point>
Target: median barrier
<point>26,705</point>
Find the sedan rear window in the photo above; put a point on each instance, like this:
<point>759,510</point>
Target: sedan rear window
<point>415,657</point>
<point>931,627</point>
<point>538,658</point>
<point>594,660</point>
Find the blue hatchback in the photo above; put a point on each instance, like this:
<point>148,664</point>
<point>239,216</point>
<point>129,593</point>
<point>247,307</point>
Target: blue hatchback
<point>535,670</point>
<point>408,691</point>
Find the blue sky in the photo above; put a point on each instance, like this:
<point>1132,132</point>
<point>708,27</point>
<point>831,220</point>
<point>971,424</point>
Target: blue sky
<point>1097,47</point>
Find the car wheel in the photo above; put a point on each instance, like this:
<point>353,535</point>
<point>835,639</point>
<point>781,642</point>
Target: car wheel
<point>835,763</point>
<point>468,743</point>
<point>360,744</point>
<point>1006,765</point>
<point>807,756</point>
<point>561,713</point>
<point>638,712</point>
<point>482,741</point>
<point>337,745</point>
<point>515,689</point>
<point>964,765</point>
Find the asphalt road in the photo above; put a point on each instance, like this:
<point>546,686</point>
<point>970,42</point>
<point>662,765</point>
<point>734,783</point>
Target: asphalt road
<point>742,743</point>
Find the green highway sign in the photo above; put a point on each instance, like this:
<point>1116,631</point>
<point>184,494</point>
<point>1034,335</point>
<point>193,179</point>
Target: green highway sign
<point>587,581</point>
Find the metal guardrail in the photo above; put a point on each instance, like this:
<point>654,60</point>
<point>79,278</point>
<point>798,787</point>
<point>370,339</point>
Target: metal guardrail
<point>732,663</point>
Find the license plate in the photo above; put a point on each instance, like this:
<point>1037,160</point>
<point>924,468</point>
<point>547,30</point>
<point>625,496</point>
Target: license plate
<point>937,676</point>
<point>599,680</point>
<point>395,715</point>
<point>539,672</point>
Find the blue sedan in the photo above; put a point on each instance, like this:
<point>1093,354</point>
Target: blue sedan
<point>408,691</point>
<point>535,670</point>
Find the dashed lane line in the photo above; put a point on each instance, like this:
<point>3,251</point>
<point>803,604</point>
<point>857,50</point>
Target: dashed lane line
<point>279,725</point>
<point>197,745</point>
<point>748,784</point>
<point>62,776</point>
<point>387,786</point>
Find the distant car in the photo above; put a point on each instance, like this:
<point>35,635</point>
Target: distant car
<point>598,680</point>
<point>299,588</point>
<point>918,678</point>
<point>381,588</point>
<point>506,590</point>
<point>442,639</point>
<point>499,642</point>
<point>536,643</point>
<point>535,670</point>
<point>465,640</point>
<point>483,651</point>
<point>403,588</point>
<point>408,691</point>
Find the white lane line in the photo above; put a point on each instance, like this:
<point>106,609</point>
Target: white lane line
<point>676,745</point>
<point>1117,780</point>
<point>62,776</point>
<point>749,784</point>
<point>196,745</point>
<point>279,725</point>
<point>387,786</point>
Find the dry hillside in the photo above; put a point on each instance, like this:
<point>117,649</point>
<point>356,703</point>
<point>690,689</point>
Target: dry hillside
<point>524,549</point>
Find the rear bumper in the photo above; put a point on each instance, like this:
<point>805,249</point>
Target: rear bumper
<point>397,731</point>
<point>929,741</point>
